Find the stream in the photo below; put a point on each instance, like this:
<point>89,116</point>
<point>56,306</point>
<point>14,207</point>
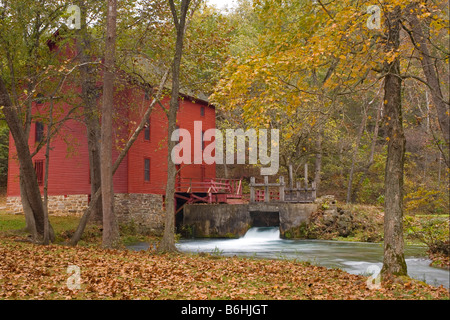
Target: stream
<point>353,257</point>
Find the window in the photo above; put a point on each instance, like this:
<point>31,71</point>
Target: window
<point>39,98</point>
<point>38,131</point>
<point>147,131</point>
<point>39,168</point>
<point>203,140</point>
<point>146,169</point>
<point>177,139</point>
<point>202,111</point>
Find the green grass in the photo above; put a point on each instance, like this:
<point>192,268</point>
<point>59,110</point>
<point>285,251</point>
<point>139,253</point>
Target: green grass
<point>10,222</point>
<point>64,226</point>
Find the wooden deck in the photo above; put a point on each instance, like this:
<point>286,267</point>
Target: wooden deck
<point>229,191</point>
<point>209,191</point>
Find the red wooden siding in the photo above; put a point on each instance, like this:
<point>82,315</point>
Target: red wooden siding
<point>156,148</point>
<point>69,160</point>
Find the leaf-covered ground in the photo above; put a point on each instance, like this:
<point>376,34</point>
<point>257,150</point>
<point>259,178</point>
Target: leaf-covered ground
<point>30,271</point>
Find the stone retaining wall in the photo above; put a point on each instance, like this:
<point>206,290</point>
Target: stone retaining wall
<point>144,212</point>
<point>233,220</point>
<point>73,204</point>
<point>141,211</point>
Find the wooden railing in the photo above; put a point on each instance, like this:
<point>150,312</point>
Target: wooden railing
<point>192,185</point>
<point>258,195</point>
<point>301,194</point>
<point>220,190</point>
<point>278,191</point>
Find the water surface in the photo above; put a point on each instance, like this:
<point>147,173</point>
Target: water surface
<point>353,257</point>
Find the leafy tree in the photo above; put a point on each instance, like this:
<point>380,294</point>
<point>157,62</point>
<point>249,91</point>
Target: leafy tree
<point>179,19</point>
<point>4,148</point>
<point>25,63</point>
<point>313,54</point>
<point>110,225</point>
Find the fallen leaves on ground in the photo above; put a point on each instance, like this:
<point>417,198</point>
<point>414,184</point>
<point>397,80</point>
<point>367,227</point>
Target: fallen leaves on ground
<point>30,271</point>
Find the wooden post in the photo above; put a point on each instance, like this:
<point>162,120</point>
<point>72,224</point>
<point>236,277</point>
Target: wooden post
<point>252,189</point>
<point>266,189</point>
<point>291,178</point>
<point>281,188</point>
<point>306,175</point>
<point>291,183</point>
<point>313,192</point>
<point>298,186</point>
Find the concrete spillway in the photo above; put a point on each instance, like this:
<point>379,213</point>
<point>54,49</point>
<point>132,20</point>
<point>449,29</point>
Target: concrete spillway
<point>233,221</point>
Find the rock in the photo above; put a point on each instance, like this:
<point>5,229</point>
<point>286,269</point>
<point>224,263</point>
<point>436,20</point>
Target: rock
<point>328,219</point>
<point>327,201</point>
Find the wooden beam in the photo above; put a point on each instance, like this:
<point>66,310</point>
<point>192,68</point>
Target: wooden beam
<point>306,175</point>
<point>266,189</point>
<point>291,178</point>
<point>281,189</point>
<point>252,189</point>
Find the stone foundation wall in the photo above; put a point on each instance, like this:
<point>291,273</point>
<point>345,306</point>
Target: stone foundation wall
<point>143,212</point>
<point>73,204</point>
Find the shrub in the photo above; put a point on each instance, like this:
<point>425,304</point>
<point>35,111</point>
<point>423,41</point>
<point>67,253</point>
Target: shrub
<point>433,231</point>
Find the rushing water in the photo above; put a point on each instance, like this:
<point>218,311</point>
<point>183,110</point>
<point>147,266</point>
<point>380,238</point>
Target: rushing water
<point>353,257</point>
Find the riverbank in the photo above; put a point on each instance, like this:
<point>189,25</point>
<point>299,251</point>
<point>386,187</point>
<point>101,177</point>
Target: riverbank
<point>355,223</point>
<point>360,258</point>
<point>29,271</point>
<point>364,223</point>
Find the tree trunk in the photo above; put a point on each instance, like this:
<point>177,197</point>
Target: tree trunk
<point>93,135</point>
<point>318,160</point>
<point>47,163</point>
<point>225,170</point>
<point>372,147</point>
<point>355,153</point>
<point>91,112</point>
<point>429,71</point>
<point>30,224</point>
<point>110,225</point>
<point>168,241</point>
<point>28,174</point>
<point>394,260</point>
